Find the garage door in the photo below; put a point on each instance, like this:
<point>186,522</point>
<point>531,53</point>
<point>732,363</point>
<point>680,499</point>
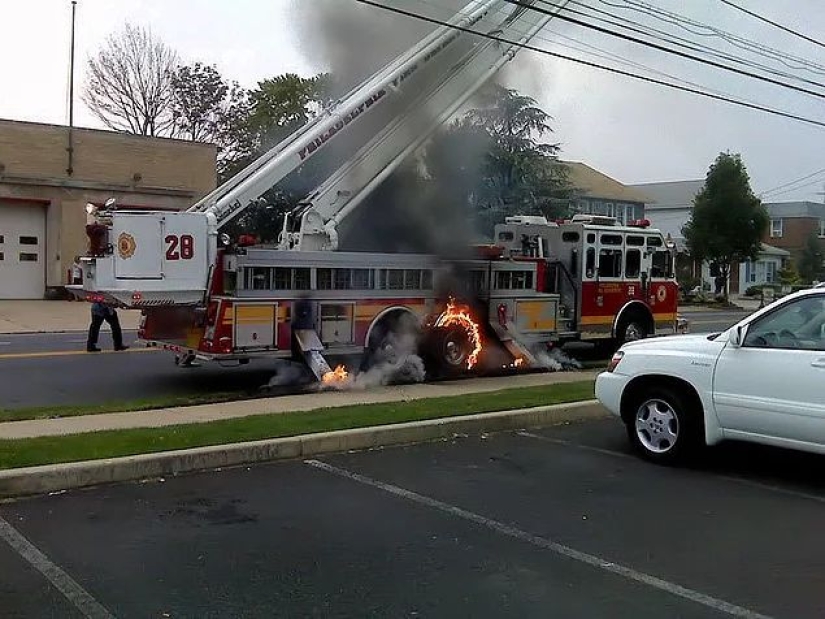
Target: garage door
<point>22,251</point>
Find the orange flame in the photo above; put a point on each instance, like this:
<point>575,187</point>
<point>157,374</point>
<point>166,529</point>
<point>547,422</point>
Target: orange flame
<point>460,315</point>
<point>336,376</point>
<point>518,362</point>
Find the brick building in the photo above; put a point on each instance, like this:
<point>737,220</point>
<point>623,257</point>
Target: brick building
<point>47,177</point>
<point>793,223</point>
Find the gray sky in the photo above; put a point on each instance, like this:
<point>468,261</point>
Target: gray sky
<point>631,131</point>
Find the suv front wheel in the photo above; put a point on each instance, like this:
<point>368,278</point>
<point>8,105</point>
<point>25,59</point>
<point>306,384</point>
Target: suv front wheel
<point>661,426</point>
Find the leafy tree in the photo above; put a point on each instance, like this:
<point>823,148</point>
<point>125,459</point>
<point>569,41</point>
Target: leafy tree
<point>129,86</point>
<point>494,159</point>
<point>728,220</point>
<point>207,108</point>
<point>810,260</point>
<point>274,110</point>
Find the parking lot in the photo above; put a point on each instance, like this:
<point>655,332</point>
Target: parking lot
<point>559,522</point>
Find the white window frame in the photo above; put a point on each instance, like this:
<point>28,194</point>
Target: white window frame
<point>777,233</point>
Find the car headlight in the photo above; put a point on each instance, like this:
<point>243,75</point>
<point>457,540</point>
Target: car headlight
<point>614,360</point>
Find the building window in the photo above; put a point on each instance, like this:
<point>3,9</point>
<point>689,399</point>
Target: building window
<point>776,228</point>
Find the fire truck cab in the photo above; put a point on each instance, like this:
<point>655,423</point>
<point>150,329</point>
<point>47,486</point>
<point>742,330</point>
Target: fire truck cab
<point>612,280</point>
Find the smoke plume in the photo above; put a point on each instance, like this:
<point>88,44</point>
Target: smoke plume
<point>556,360</point>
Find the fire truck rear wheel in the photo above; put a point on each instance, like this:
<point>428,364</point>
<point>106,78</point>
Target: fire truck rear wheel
<point>630,331</point>
<point>448,350</point>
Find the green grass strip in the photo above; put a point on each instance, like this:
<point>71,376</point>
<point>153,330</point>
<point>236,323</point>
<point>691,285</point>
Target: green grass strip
<point>115,443</point>
<point>125,406</point>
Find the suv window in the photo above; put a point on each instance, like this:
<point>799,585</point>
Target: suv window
<point>799,324</point>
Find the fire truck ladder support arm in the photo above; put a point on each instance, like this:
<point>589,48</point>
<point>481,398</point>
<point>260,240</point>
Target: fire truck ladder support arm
<point>431,96</point>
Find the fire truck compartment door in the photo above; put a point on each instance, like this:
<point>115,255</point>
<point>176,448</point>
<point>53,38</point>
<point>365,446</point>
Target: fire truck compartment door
<point>255,325</point>
<point>535,315</point>
<point>138,251</point>
<point>337,323</point>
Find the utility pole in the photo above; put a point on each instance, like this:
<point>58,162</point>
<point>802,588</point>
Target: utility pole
<point>70,149</point>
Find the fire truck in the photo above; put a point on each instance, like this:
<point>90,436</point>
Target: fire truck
<point>206,296</point>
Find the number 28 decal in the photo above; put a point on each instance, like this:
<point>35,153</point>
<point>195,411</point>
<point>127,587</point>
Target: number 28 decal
<point>180,247</point>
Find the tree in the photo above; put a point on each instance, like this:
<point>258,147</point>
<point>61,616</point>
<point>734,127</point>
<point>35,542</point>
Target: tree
<point>728,220</point>
<point>493,156</point>
<point>275,109</point>
<point>207,108</point>
<point>810,260</point>
<point>129,86</point>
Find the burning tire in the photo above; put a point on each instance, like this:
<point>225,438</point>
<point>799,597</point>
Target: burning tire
<point>448,350</point>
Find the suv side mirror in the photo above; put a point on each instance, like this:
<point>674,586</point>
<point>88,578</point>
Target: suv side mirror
<point>737,336</point>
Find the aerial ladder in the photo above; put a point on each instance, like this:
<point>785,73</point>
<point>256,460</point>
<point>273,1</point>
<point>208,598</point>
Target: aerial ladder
<point>143,259</point>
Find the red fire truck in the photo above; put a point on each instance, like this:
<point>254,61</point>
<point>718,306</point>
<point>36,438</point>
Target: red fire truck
<point>540,283</point>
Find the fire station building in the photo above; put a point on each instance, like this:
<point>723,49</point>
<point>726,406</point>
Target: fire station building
<point>48,174</point>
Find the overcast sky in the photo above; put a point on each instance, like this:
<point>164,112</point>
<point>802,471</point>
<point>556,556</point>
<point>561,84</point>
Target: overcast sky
<point>634,132</point>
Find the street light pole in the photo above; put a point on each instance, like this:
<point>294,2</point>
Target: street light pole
<point>70,168</point>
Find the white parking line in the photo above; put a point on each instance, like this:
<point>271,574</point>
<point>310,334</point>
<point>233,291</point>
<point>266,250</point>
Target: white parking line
<point>603,564</point>
<point>732,478</point>
<point>77,595</point>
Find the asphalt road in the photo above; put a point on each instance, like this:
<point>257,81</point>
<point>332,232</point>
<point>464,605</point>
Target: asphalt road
<point>712,320</point>
<point>53,369</point>
<point>560,522</point>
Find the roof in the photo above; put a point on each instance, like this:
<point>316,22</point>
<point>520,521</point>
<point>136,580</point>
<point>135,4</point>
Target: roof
<point>594,184</point>
<point>774,251</point>
<point>672,194</point>
<point>779,210</point>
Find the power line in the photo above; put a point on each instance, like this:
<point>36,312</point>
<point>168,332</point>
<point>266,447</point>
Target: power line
<point>594,51</point>
<point>668,37</point>
<point>594,65</point>
<point>794,182</point>
<point>662,48</point>
<point>707,30</point>
<point>773,23</point>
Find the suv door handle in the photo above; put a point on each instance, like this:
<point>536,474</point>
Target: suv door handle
<point>819,363</point>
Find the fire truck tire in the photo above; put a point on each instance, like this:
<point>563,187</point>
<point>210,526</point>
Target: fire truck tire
<point>447,350</point>
<point>631,329</point>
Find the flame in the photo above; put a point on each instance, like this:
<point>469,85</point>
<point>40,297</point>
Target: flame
<point>460,315</point>
<point>518,362</point>
<point>336,376</point>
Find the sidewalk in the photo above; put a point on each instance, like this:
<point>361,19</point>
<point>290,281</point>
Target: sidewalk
<point>265,406</point>
<point>53,317</point>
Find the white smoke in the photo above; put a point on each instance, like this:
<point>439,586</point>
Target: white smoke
<point>556,360</point>
<point>287,374</point>
<point>394,362</point>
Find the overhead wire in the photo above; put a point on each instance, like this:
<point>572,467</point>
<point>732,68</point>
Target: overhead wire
<point>662,48</point>
<point>595,52</point>
<point>795,182</point>
<point>673,39</point>
<point>650,80</point>
<point>712,31</point>
<point>773,23</point>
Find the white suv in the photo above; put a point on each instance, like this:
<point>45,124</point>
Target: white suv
<point>762,380</point>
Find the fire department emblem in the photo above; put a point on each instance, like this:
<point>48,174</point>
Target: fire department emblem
<point>126,245</point>
<point>661,293</point>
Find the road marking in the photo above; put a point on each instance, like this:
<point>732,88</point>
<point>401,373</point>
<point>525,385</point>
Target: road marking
<point>733,478</point>
<point>70,353</point>
<point>541,542</point>
<point>70,588</point>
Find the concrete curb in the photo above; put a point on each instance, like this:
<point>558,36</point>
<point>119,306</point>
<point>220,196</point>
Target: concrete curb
<point>52,478</point>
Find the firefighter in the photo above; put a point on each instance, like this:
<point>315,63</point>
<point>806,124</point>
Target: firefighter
<point>100,313</point>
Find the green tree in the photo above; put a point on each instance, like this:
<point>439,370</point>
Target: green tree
<point>494,159</point>
<point>207,108</point>
<point>810,260</point>
<point>728,220</point>
<point>272,111</point>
